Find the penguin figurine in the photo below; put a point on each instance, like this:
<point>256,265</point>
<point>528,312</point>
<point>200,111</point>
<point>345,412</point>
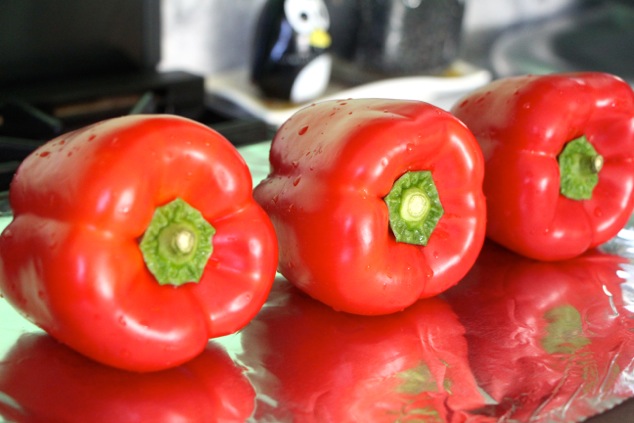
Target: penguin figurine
<point>290,60</point>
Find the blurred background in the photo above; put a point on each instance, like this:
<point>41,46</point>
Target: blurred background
<point>67,63</point>
<point>208,36</point>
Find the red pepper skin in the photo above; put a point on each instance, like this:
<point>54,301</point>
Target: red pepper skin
<point>70,259</point>
<point>48,382</point>
<point>545,340</point>
<point>522,124</point>
<point>315,365</point>
<point>332,163</point>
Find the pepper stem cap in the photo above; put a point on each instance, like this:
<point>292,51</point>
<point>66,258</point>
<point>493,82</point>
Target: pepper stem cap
<point>579,167</point>
<point>177,243</point>
<point>414,207</point>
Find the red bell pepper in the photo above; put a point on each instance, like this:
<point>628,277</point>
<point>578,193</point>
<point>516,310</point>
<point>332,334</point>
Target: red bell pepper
<point>48,382</point>
<point>110,248</point>
<point>376,203</point>
<point>559,160</point>
<point>548,341</point>
<point>310,363</point>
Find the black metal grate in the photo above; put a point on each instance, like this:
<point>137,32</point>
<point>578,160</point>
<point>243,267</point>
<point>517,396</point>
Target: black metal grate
<point>32,114</point>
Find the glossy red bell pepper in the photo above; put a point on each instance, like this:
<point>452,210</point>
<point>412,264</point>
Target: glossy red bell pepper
<point>548,341</point>
<point>376,203</point>
<point>559,160</point>
<point>137,239</point>
<point>42,380</point>
<point>312,364</point>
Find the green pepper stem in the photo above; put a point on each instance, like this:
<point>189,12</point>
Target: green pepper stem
<point>414,207</point>
<point>579,167</point>
<point>597,163</point>
<point>177,244</point>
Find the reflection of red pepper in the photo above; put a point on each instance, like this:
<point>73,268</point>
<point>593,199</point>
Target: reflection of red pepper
<point>376,203</point>
<point>48,382</point>
<point>91,205</point>
<point>559,153</point>
<point>545,339</point>
<point>313,364</point>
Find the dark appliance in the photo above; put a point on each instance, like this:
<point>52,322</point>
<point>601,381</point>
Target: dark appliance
<point>66,64</point>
